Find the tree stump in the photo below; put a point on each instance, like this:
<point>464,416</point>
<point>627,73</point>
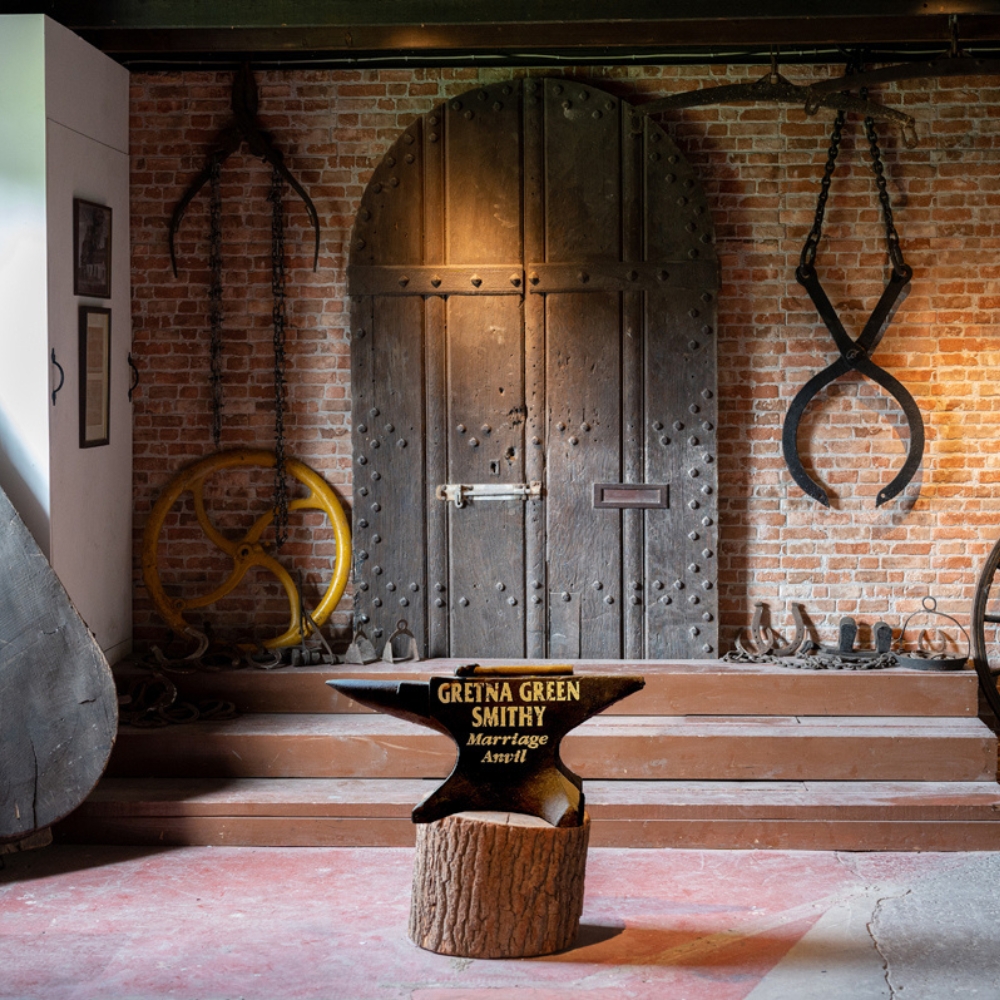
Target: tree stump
<point>497,885</point>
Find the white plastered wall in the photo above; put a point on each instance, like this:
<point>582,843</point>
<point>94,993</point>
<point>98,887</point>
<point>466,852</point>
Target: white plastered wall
<point>77,502</point>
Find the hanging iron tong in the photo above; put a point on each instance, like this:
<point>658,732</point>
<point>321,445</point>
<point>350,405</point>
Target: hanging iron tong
<point>855,355</point>
<point>244,127</point>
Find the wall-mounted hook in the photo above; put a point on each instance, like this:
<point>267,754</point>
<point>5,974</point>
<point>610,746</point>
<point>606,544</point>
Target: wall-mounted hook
<point>62,376</point>
<point>135,377</point>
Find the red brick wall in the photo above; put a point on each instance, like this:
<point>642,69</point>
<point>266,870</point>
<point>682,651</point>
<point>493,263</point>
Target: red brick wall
<point>760,166</point>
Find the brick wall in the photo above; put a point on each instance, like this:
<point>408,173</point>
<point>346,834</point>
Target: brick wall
<point>760,166</point>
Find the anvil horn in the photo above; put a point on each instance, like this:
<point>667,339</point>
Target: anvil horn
<point>408,700</point>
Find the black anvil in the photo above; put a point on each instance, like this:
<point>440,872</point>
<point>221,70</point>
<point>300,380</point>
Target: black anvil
<point>508,723</point>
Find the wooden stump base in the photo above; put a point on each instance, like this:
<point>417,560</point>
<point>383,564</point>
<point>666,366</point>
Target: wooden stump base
<point>497,885</point>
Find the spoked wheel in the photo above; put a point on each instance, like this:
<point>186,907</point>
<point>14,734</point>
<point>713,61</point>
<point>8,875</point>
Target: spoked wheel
<point>985,634</point>
<point>247,552</point>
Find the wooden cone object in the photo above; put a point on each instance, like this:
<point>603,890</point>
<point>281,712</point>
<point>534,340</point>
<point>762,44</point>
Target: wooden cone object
<point>58,705</point>
<point>497,885</point>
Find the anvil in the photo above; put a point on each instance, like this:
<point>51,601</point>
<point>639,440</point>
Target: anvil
<point>508,723</point>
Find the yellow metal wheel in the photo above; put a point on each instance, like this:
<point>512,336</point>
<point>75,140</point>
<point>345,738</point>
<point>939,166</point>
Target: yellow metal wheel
<point>246,552</point>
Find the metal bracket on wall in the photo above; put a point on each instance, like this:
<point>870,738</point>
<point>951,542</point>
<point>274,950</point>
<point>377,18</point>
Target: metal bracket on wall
<point>62,376</point>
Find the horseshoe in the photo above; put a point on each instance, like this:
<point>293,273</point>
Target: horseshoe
<point>247,552</point>
<point>244,127</point>
<point>854,355</point>
<point>766,639</point>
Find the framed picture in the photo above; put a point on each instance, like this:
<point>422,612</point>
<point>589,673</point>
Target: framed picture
<point>95,375</point>
<point>91,249</point>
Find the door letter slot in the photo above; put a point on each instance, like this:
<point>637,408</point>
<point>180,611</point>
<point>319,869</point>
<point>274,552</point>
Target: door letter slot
<point>630,495</point>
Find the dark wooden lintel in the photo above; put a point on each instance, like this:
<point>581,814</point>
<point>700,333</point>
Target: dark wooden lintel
<point>609,37</point>
<point>509,29</point>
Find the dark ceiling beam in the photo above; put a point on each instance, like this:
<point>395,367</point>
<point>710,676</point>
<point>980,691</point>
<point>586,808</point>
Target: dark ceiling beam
<point>548,36</point>
<point>315,13</point>
<point>352,30</point>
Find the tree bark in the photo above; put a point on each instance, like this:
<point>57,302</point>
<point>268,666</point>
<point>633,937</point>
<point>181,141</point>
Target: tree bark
<point>497,885</point>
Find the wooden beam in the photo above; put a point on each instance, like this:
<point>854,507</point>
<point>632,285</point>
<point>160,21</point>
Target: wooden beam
<point>607,37</point>
<point>354,29</point>
<point>235,14</point>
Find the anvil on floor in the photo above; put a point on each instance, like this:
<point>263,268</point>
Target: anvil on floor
<point>508,723</point>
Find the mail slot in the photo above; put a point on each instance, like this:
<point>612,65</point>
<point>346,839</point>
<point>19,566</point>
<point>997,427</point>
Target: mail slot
<point>630,495</point>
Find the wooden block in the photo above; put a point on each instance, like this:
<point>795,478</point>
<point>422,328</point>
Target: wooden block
<point>497,885</point>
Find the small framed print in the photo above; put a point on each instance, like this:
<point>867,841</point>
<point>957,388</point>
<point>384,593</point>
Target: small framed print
<point>95,376</point>
<point>91,249</point>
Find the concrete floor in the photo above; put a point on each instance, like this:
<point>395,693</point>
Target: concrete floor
<point>202,923</point>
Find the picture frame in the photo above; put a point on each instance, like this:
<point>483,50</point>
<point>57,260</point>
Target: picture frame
<point>95,376</point>
<point>91,249</point>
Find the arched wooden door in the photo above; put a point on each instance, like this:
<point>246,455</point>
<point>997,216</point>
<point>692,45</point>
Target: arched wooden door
<point>533,285</point>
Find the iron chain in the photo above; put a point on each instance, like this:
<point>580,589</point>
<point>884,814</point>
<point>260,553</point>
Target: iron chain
<point>891,236</point>
<point>808,257</point>
<point>278,320</point>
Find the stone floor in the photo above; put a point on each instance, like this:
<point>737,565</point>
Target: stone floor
<point>202,923</point>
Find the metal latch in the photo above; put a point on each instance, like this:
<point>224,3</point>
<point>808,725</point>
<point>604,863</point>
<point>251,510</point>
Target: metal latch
<point>460,492</point>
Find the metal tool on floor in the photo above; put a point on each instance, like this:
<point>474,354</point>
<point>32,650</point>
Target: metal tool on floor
<point>848,634</point>
<point>928,654</point>
<point>803,653</point>
<point>411,653</point>
<point>360,652</point>
<point>767,641</point>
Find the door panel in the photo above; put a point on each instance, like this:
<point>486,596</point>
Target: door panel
<point>533,285</point>
<point>486,445</point>
<point>483,177</point>
<point>584,435</point>
<point>582,174</point>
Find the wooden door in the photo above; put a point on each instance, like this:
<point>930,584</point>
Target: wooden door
<point>533,287</point>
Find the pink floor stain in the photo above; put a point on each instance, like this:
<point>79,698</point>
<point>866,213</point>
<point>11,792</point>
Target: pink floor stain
<point>79,923</point>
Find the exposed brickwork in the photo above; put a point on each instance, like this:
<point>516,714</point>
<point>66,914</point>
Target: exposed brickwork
<point>761,167</point>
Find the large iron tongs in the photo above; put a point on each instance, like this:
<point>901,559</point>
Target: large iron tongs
<point>854,355</point>
<point>244,127</point>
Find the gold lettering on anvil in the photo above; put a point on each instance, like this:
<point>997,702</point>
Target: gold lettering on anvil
<point>517,757</point>
<point>476,692</point>
<point>508,716</point>
<point>534,691</point>
<point>530,740</point>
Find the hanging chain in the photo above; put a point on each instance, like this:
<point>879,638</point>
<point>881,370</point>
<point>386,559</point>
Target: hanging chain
<point>278,319</point>
<point>891,236</point>
<point>215,302</point>
<point>808,257</point>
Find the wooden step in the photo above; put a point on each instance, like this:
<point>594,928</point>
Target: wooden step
<point>676,687</point>
<point>376,812</point>
<point>749,748</point>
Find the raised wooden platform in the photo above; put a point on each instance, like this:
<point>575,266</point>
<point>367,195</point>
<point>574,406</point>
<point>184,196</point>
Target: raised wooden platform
<point>707,755</point>
<point>342,812</point>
